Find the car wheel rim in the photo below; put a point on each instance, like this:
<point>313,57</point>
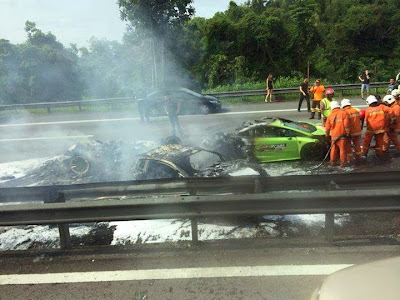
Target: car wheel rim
<point>204,109</point>
<point>79,165</point>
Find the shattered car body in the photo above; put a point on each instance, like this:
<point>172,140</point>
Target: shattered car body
<point>178,161</point>
<point>91,157</point>
<point>277,139</point>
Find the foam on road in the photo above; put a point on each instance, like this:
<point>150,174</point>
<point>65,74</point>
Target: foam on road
<point>165,274</point>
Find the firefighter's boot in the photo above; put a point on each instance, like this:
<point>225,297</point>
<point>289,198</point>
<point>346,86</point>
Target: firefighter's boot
<point>312,115</point>
<point>319,116</point>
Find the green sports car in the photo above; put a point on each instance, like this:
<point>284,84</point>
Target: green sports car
<point>276,139</point>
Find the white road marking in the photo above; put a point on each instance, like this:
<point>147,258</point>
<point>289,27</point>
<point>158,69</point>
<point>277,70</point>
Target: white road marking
<point>67,122</point>
<point>47,138</point>
<point>136,119</point>
<point>184,273</point>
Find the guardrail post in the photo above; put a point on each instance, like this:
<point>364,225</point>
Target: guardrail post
<point>329,226</point>
<point>330,217</point>
<point>63,229</point>
<point>195,231</point>
<point>65,237</point>
<point>258,188</point>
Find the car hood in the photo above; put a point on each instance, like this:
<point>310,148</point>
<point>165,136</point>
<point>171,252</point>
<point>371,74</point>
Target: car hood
<point>320,130</point>
<point>211,99</point>
<point>375,280</point>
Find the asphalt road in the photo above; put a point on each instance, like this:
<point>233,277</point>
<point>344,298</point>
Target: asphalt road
<point>207,272</point>
<point>34,136</point>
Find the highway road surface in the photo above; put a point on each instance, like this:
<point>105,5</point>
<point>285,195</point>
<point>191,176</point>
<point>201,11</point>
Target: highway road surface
<point>256,271</point>
<point>34,136</point>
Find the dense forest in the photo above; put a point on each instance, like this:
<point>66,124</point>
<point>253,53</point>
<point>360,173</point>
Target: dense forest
<point>166,44</point>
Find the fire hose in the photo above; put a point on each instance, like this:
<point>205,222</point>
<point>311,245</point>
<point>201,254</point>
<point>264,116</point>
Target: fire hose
<point>325,158</point>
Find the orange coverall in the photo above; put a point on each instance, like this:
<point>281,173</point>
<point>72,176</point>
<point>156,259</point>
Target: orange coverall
<point>393,131</point>
<point>355,132</point>
<point>337,125</point>
<point>377,120</point>
<point>318,92</point>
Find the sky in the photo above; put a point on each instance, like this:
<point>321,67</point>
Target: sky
<point>76,21</point>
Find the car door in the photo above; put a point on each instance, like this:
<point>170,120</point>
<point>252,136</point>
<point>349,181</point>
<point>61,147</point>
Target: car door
<point>181,98</point>
<point>192,102</point>
<point>275,144</point>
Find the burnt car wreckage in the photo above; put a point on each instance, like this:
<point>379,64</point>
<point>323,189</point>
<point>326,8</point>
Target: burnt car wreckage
<point>221,155</point>
<point>170,160</point>
<point>224,154</point>
<point>179,161</point>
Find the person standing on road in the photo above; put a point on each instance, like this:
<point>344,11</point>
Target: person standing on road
<point>304,94</point>
<point>392,134</point>
<point>377,123</point>
<point>338,128</point>
<point>270,87</point>
<point>355,130</point>
<point>172,109</point>
<point>325,104</point>
<point>318,92</point>
<point>392,86</point>
<point>365,79</point>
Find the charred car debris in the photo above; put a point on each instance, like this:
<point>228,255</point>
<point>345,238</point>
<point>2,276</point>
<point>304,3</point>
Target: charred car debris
<point>179,161</point>
<point>165,159</point>
<point>168,160</point>
<point>264,140</point>
<point>97,161</point>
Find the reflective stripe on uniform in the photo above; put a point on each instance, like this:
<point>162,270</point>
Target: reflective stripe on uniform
<point>380,112</point>
<point>377,131</point>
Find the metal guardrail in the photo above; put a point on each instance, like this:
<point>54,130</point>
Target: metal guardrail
<point>337,87</point>
<point>189,207</point>
<point>199,186</point>
<point>196,198</point>
<point>49,105</point>
<point>113,101</point>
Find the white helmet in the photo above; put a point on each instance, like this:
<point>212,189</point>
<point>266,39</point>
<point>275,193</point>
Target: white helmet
<point>371,99</point>
<point>389,99</point>
<point>334,104</point>
<point>395,93</point>
<point>345,102</point>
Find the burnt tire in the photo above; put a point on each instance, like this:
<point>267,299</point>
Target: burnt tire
<point>79,165</point>
<point>313,151</point>
<point>172,140</point>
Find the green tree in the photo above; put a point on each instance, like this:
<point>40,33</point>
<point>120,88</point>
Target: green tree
<point>156,19</point>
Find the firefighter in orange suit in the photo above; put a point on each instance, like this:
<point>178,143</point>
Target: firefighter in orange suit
<point>377,121</point>
<point>394,127</point>
<point>318,92</point>
<point>337,126</point>
<point>355,129</point>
